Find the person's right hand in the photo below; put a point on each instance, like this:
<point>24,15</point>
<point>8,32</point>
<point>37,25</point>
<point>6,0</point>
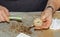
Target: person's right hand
<point>4,14</point>
<point>46,18</point>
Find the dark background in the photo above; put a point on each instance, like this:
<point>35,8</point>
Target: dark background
<point>24,5</point>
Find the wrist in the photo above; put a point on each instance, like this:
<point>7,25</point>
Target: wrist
<point>49,10</point>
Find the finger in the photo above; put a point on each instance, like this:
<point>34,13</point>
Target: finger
<point>47,23</point>
<point>49,20</point>
<point>0,20</point>
<point>6,11</point>
<point>1,17</point>
<point>37,27</point>
<point>5,16</point>
<point>44,16</point>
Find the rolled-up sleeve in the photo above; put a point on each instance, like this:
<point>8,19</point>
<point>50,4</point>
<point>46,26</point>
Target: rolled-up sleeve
<point>54,3</point>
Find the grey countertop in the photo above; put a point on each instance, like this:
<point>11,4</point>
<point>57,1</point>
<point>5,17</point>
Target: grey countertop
<point>28,16</point>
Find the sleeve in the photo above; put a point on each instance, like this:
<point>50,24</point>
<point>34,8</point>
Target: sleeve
<point>55,4</point>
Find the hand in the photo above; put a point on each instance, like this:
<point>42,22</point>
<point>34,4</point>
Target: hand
<point>46,17</point>
<point>4,14</point>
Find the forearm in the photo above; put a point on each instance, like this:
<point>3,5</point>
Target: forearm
<point>55,4</point>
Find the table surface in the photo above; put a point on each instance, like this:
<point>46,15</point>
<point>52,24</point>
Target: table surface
<point>44,33</point>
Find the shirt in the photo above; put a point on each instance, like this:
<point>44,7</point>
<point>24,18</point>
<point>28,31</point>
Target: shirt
<point>24,5</point>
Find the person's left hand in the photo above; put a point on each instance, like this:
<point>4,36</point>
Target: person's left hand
<point>46,17</point>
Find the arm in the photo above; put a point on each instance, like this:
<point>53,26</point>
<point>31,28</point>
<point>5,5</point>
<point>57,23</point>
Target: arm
<point>55,4</point>
<point>46,15</point>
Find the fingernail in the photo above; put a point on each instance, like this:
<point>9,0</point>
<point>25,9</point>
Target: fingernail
<point>8,20</point>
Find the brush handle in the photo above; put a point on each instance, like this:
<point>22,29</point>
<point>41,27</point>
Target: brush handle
<point>17,18</point>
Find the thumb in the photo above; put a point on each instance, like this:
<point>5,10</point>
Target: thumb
<point>43,17</point>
